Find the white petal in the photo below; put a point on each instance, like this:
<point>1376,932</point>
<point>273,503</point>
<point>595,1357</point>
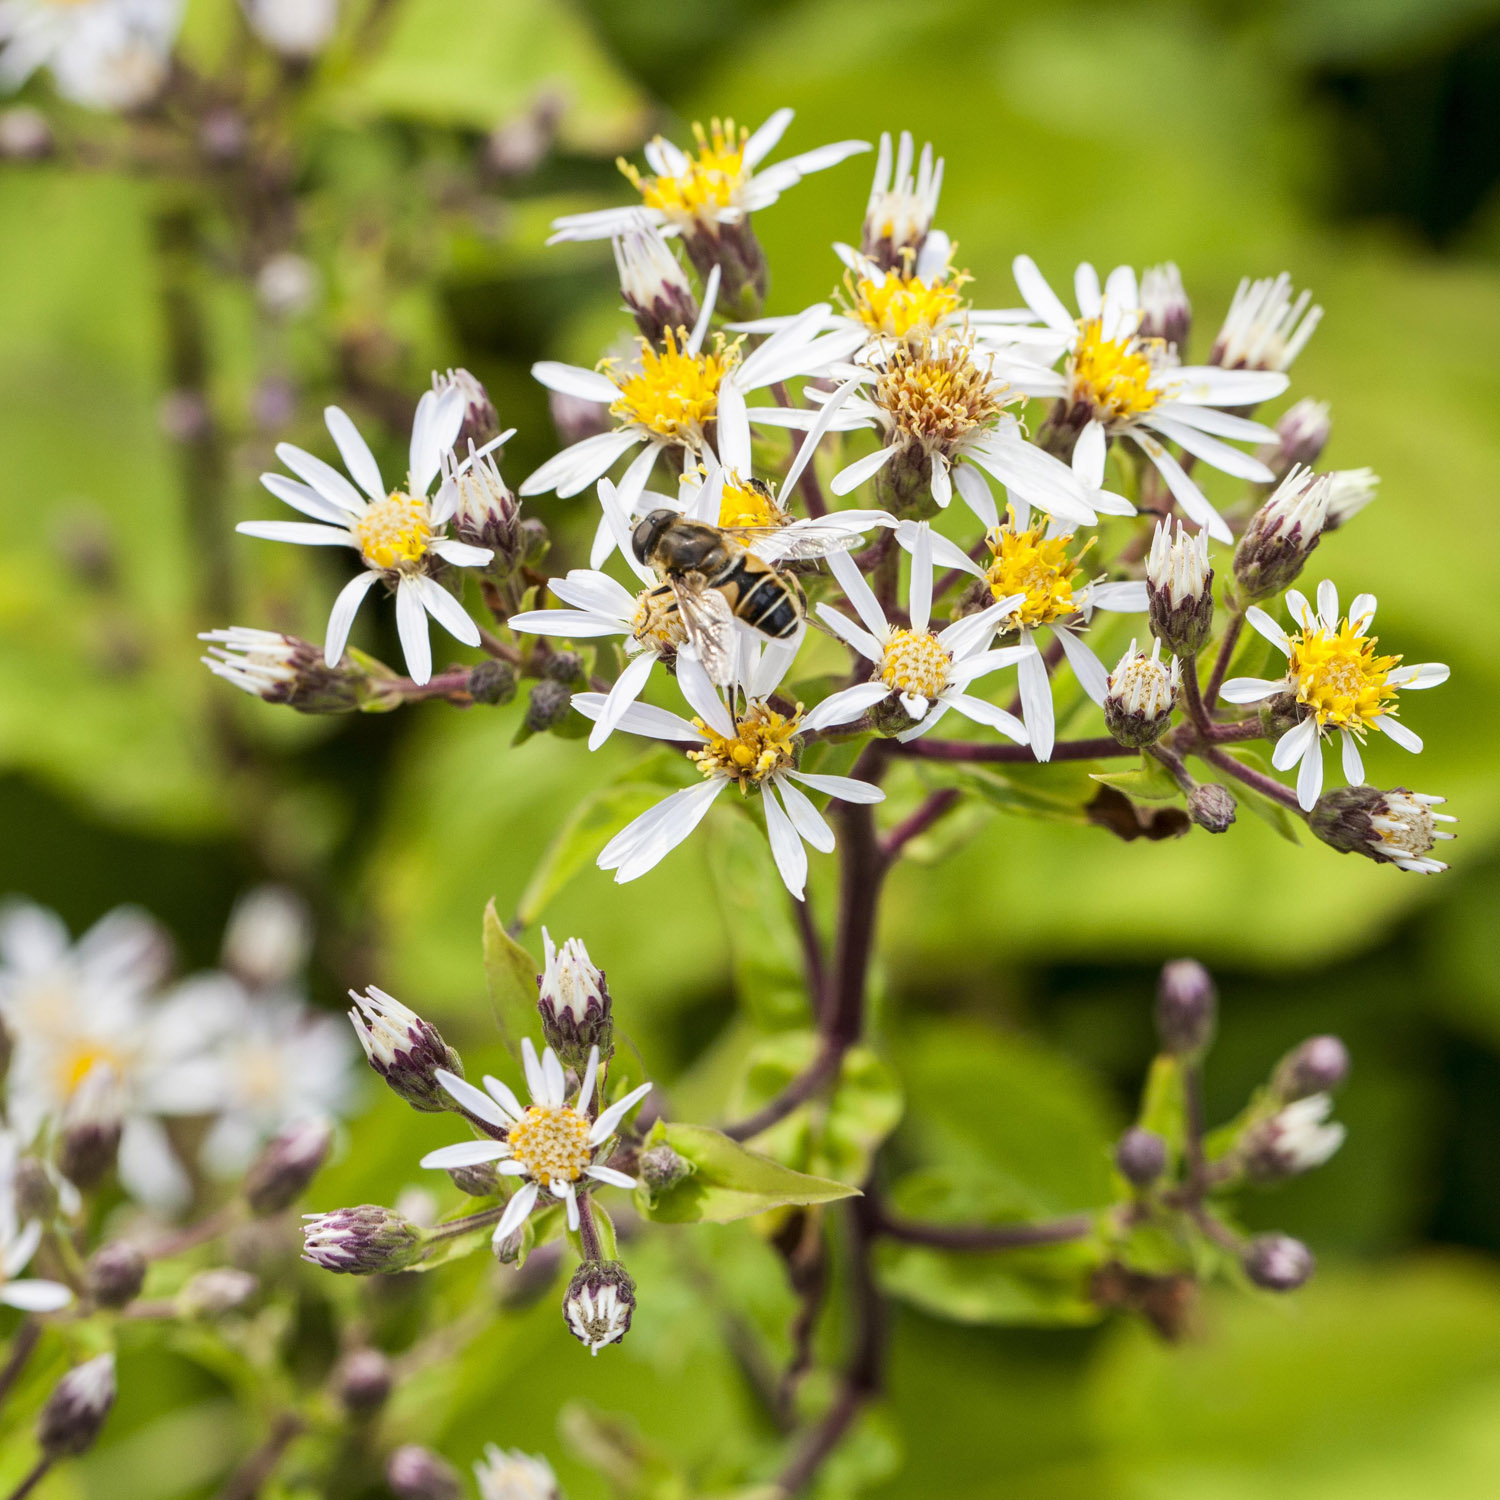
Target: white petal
<point>324,478</point>
<point>970,484</point>
<point>574,380</point>
<point>504,1096</point>
<point>1036,703</point>
<point>474,1100</point>
<point>580,464</point>
<point>1086,290</point>
<point>733,428</point>
<point>1310,777</point>
<point>1427,674</point>
<point>465,1154</point>
<point>35,1296</point>
<point>610,1176</point>
<point>806,819</point>
<point>411,626</point>
<point>844,788</point>
<point>700,692</point>
<point>851,477</point>
<point>1251,689</point>
<point>862,597</point>
<point>1040,297</point>
<point>644,719</point>
<point>1087,668</point>
<point>846,705</point>
<point>988,714</point>
<point>536,1079</point>
<point>303,533</point>
<point>652,836</point>
<point>1293,745</point>
<point>627,688</point>
<point>1212,450</point>
<point>446,610</point>
<point>764,141</point>
<point>1193,501</point>
<point>920,600</point>
<point>1260,622</point>
<point>557,1083</point>
<point>355,452</point>
<point>341,619</point>
<point>1088,455</point>
<point>515,1212</point>
<point>604,1126</point>
<point>1398,731</point>
<point>306,499</point>
<point>1354,767</point>
<point>1328,603</point>
<point>786,847</point>
<point>461,554</point>
<point>1208,385</point>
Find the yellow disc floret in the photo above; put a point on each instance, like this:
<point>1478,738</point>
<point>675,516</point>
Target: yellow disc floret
<point>674,394</point>
<point>934,393</point>
<point>658,621</point>
<point>710,180</point>
<point>1338,676</point>
<point>914,662</point>
<point>900,305</point>
<point>1037,566</point>
<point>552,1142</point>
<point>749,502</point>
<point>394,533</point>
<point>764,742</point>
<point>1113,376</point>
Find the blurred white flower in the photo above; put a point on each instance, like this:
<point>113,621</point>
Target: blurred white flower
<point>268,937</point>
<point>296,28</point>
<point>514,1476</point>
<point>18,1243</point>
<point>103,54</point>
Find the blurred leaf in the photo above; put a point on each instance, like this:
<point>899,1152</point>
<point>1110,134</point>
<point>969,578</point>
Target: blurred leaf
<point>1148,782</point>
<point>1164,1105</point>
<point>511,974</point>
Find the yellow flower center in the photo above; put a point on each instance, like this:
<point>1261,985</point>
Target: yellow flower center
<point>750,502</point>
<point>394,533</point>
<point>1037,566</point>
<point>902,305</point>
<point>1340,678</point>
<point>764,742</point>
<point>935,393</point>
<point>552,1142</point>
<point>710,180</point>
<point>674,394</point>
<point>79,1060</point>
<point>914,662</point>
<point>658,621</point>
<point>1113,375</point>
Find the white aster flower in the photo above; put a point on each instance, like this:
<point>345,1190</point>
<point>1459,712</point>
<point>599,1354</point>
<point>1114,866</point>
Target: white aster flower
<point>550,1143</point>
<point>295,28</point>
<point>400,535</point>
<point>929,671</point>
<point>269,936</point>
<point>1404,830</point>
<point>18,1243</point>
<point>1349,491</point>
<point>1339,682</point>
<point>514,1475</point>
<point>103,54</point>
<point>720,182</point>
<point>1265,328</point>
<point>1114,384</point>
<point>1294,1140</point>
<point>754,747</point>
<point>902,205</point>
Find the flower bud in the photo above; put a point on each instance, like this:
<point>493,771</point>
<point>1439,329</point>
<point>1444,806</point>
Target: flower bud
<point>269,936</point>
<point>1186,1007</point>
<point>1282,535</point>
<point>361,1241</point>
<point>743,273</point>
<point>404,1049</point>
<point>1180,589</point>
<point>1138,705</point>
<point>662,1168</point>
<point>1265,329</point>
<point>574,1003</point>
<point>76,1410</point>
<point>287,285</point>
<point>285,669</point>
<point>515,1476</point>
<point>1349,491</point>
<point>599,1303</point>
<point>1294,1140</point>
<point>223,135</point>
<point>653,283</point>
<point>213,1293</point>
<point>901,207</point>
<point>1277,1262</point>
<point>485,513</point>
<point>415,1473</point>
<point>25,135</point>
<point>1301,435</point>
<point>1315,1066</point>
<point>1166,313</point>
<point>508,1250</point>
<point>548,707</point>
<point>298,29</point>
<point>116,1273</point>
<point>35,1189</point>
<point>478,1180</point>
<point>363,1382</point>
<point>1211,807</point>
<point>285,1166</point>
<point>1141,1156</point>
<point>1398,827</point>
<point>493,682</point>
<point>481,420</point>
<point>534,544</point>
<point>92,1126</point>
<point>575,419</point>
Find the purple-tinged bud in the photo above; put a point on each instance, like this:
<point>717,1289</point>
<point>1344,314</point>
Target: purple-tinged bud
<point>1211,807</point>
<point>93,1123</point>
<point>1265,328</point>
<point>35,1190</point>
<point>481,420</point>
<point>550,707</point>
<point>1316,1066</point>
<point>25,135</point>
<point>363,1382</point>
<point>743,272</point>
<point>223,135</point>
<point>1398,827</point>
<point>1301,435</point>
<point>575,418</point>
<point>1142,691</point>
<point>654,285</point>
<point>415,1473</point>
<point>1281,535</point>
<point>1166,313</point>
<point>508,1250</point>
<point>213,1293</point>
<point>404,1049</point>
<point>1186,1007</point>
<point>1278,1263</point>
<point>599,1304</point>
<point>492,681</point>
<point>1349,491</point>
<point>573,1000</point>
<point>1141,1156</point>
<point>1294,1140</point>
<point>361,1241</point>
<point>661,1168</point>
<point>478,1180</point>
<point>285,1166</point>
<point>1180,589</point>
<point>286,669</point>
<point>116,1273</point>
<point>901,206</point>
<point>485,513</point>
<point>76,1410</point>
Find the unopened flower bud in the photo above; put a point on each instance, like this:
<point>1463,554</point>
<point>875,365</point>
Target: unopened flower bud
<point>521,144</point>
<point>1180,589</point>
<point>1141,1156</point>
<point>478,1179</point>
<point>35,1190</point>
<point>1166,313</point>
<point>743,272</point>
<point>901,206</point>
<point>363,1382</point>
<point>599,1303</point>
<point>1349,491</point>
<point>269,936</point>
<point>287,285</point>
<point>661,1168</point>
<point>1211,807</point>
<point>492,681</point>
<point>508,1250</point>
<point>75,1412</point>
<point>415,1473</point>
<point>223,135</point>
<point>652,282</point>
<point>213,1293</point>
<point>1186,1007</point>
<point>1282,535</point>
<point>515,1476</point>
<point>284,669</point>
<point>361,1241</point>
<point>573,1000</point>
<point>486,513</point>
<point>285,1166</point>
<point>1315,1066</point>
<point>1265,328</point>
<point>1294,1140</point>
<point>116,1273</point>
<point>575,419</point>
<point>534,544</point>
<point>1277,1262</point>
<point>1398,827</point>
<point>548,707</point>
<point>25,135</point>
<point>93,1123</point>
<point>404,1049</point>
<point>1301,435</point>
<point>1138,705</point>
<point>481,420</point>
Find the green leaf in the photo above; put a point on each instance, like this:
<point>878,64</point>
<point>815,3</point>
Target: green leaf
<point>1059,799</point>
<point>1148,782</point>
<point>510,972</point>
<point>1163,1104</point>
<point>730,1182</point>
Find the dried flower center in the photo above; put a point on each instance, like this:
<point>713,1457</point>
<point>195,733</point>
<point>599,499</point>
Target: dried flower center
<point>1037,566</point>
<point>552,1142</point>
<point>914,662</point>
<point>935,394</point>
<point>710,179</point>
<point>394,533</point>
<point>1337,674</point>
<point>1113,376</point>
<point>902,305</point>
<point>657,621</point>
<point>750,502</point>
<point>674,394</point>
<point>764,742</point>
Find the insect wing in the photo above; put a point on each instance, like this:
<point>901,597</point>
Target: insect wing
<point>709,623</point>
<point>796,543</point>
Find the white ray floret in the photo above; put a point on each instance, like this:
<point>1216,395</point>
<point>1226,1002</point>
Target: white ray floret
<point>103,54</point>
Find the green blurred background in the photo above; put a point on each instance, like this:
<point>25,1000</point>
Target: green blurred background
<point>1355,143</point>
